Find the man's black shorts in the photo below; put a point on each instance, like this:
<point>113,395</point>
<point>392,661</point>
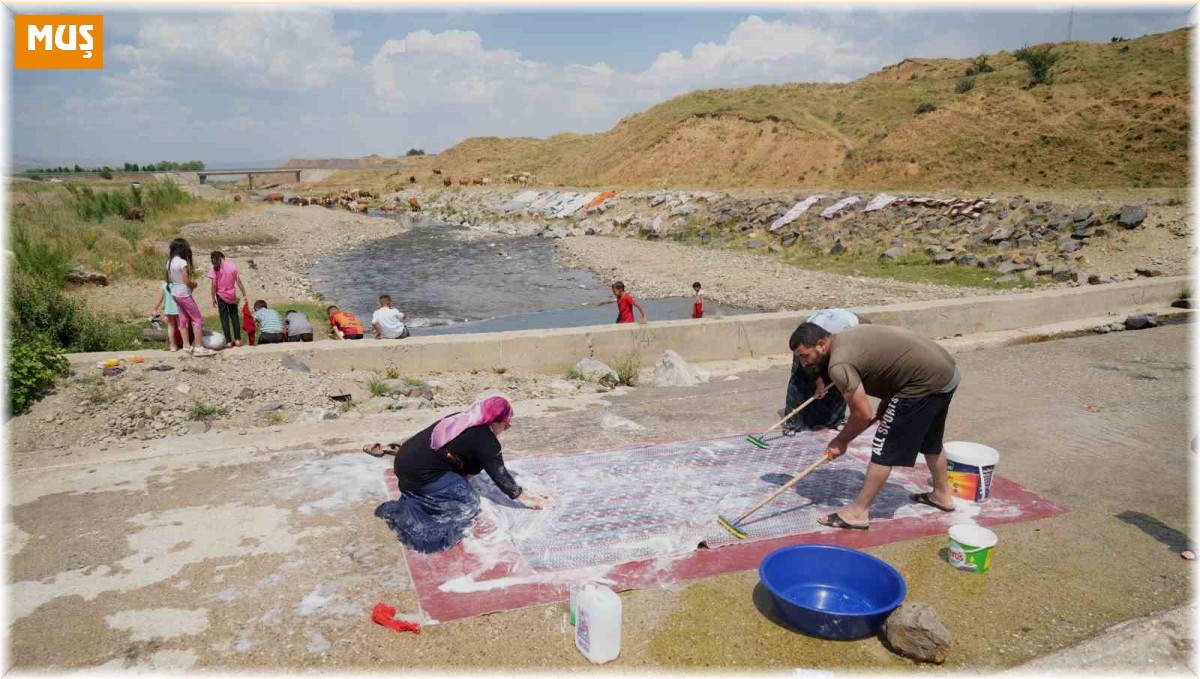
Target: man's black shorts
<point>910,426</point>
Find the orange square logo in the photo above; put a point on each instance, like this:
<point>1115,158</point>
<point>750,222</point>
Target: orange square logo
<point>59,41</point>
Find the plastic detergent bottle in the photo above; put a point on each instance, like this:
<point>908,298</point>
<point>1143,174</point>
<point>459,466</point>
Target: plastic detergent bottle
<point>598,623</point>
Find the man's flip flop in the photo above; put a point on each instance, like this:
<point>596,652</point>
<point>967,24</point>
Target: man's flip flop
<point>375,450</point>
<point>835,520</point>
<point>924,499</point>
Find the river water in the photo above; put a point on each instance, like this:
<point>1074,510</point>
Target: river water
<point>446,284</point>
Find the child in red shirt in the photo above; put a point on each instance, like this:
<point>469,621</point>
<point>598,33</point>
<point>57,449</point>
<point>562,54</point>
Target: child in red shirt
<point>345,325</point>
<point>698,307</point>
<point>625,304</point>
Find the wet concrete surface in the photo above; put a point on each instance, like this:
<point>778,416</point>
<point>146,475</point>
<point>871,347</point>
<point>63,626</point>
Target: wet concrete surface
<point>251,558</point>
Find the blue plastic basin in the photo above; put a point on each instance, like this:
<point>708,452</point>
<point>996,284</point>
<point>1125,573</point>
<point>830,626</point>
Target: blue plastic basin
<point>832,592</point>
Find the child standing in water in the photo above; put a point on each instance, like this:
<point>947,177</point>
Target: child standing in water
<point>224,277</point>
<point>698,306</point>
<point>179,277</point>
<point>625,304</point>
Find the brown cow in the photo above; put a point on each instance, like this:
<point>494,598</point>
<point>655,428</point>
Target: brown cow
<point>274,197</point>
<point>388,207</point>
<point>135,214</point>
<point>363,193</point>
<point>412,203</point>
<point>464,181</point>
<point>447,181</point>
<point>237,198</point>
<point>477,180</point>
<point>437,171</point>
<point>412,179</point>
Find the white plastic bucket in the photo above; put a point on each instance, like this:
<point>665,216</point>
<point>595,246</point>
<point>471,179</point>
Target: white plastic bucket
<point>971,547</point>
<point>970,467</point>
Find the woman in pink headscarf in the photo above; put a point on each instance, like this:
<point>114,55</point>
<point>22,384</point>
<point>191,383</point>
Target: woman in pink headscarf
<point>437,503</point>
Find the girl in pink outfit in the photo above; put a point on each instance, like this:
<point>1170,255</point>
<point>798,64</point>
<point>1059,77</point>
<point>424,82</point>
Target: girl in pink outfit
<point>179,278</point>
<point>225,276</point>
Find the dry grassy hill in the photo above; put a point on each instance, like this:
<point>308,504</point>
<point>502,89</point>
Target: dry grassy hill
<point>1116,115</point>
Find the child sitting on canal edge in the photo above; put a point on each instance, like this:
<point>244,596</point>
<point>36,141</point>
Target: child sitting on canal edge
<point>344,324</point>
<point>270,325</point>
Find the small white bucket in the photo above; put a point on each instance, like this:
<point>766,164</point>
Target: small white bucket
<point>970,467</point>
<point>971,547</point>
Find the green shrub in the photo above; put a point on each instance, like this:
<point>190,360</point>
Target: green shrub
<point>378,387</point>
<point>964,85</point>
<point>979,66</point>
<point>39,259</point>
<point>201,411</point>
<point>38,309</point>
<point>33,366</point>
<point>627,371</point>
<point>574,374</point>
<point>1040,62</point>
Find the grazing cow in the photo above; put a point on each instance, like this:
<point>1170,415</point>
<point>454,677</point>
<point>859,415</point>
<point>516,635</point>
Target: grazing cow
<point>478,181</point>
<point>447,181</point>
<point>362,207</point>
<point>135,214</point>
<point>437,171</point>
<point>412,203</point>
<point>274,197</point>
<point>363,193</point>
<point>237,198</point>
<point>464,181</point>
<point>388,207</point>
<point>305,202</point>
<point>294,200</point>
<point>412,179</point>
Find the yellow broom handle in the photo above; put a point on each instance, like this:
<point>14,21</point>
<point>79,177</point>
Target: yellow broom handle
<point>795,479</point>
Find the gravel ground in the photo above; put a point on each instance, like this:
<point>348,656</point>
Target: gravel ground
<point>743,279</point>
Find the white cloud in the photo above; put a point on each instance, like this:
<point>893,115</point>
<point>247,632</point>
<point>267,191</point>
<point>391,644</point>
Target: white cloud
<point>293,50</point>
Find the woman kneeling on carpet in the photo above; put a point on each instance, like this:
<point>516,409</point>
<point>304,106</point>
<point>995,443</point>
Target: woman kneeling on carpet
<point>437,502</point>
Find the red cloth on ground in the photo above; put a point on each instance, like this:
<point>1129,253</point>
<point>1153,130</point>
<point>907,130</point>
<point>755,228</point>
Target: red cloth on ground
<point>383,614</point>
<point>248,323</point>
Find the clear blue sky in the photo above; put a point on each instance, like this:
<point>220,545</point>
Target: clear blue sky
<point>266,84</point>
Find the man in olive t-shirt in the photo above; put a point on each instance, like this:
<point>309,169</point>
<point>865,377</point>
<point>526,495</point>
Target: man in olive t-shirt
<point>914,380</point>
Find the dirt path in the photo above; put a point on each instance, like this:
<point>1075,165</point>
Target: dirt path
<point>659,269</point>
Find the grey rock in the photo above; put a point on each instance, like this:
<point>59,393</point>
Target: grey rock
<point>315,415</point>
<point>1131,216</point>
<point>292,363</point>
<point>1099,279</point>
<point>1082,214</point>
<point>1045,270</point>
<point>943,258</point>
<point>790,239</point>
<point>892,253</point>
<point>597,372</point>
<point>1061,272</point>
<point>1025,241</point>
<point>672,371</point>
<point>269,407</point>
<point>658,200</point>
<point>1001,234</point>
<point>755,244</point>
<point>1148,273</point>
<point>194,427</point>
<point>183,388</point>
<point>683,210</point>
<point>837,248</point>
<point>967,260</point>
<point>914,631</point>
<point>1008,278</point>
<point>161,367</point>
<point>562,385</point>
<point>245,392</point>
<point>1067,245</point>
<point>1142,320</point>
<point>1011,267</point>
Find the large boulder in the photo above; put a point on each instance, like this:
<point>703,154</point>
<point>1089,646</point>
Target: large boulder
<point>672,371</point>
<point>914,630</point>
<point>598,372</point>
<point>1142,320</point>
<point>1131,216</point>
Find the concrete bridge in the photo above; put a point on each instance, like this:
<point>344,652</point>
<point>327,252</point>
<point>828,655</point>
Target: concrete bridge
<point>249,173</point>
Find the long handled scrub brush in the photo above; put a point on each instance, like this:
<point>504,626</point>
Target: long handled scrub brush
<point>758,440</point>
<point>732,526</point>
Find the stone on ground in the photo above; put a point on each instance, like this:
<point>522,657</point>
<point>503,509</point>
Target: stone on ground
<point>598,372</point>
<point>672,371</point>
<point>1143,320</point>
<point>914,630</point>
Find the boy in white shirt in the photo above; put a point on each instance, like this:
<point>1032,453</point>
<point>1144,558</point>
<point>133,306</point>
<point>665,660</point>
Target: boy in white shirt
<point>388,323</point>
